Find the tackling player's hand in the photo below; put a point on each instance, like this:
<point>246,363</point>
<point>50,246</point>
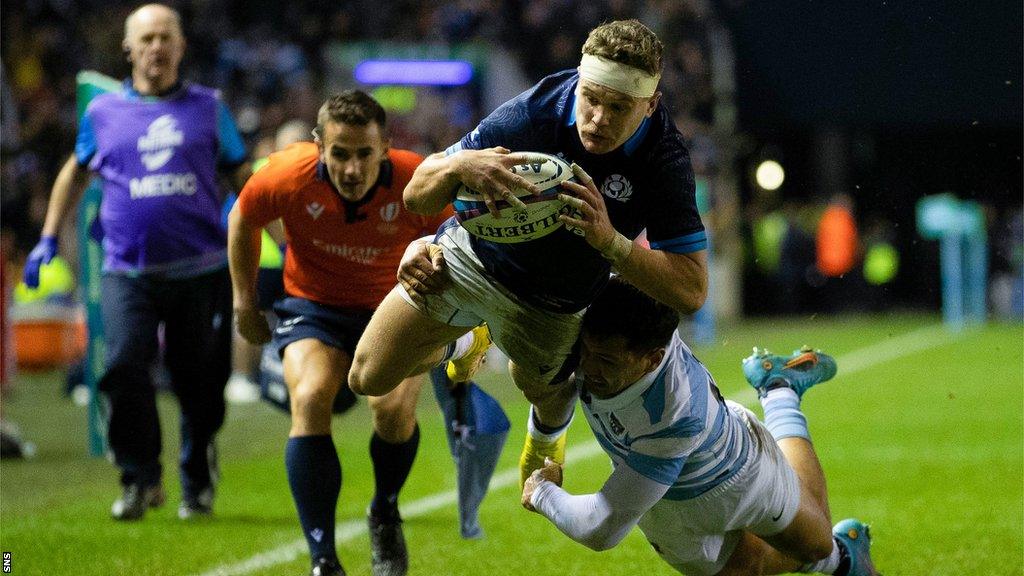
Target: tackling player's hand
<point>421,270</point>
<point>591,213</point>
<point>551,472</point>
<point>252,325</point>
<point>487,172</point>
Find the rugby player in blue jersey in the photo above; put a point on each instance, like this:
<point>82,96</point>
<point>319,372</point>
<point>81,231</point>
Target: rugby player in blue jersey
<point>607,118</point>
<point>159,145</point>
<point>713,489</point>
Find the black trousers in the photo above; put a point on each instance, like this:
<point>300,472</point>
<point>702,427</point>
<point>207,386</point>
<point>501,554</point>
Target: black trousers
<point>196,315</point>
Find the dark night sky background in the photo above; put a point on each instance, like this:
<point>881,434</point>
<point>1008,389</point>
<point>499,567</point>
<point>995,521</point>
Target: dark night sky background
<point>922,62</point>
<point>926,93</point>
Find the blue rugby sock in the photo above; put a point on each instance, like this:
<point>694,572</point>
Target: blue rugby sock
<point>391,466</point>
<point>314,474</point>
<point>782,415</point>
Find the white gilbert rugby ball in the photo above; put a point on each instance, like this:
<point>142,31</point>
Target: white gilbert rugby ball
<point>538,219</point>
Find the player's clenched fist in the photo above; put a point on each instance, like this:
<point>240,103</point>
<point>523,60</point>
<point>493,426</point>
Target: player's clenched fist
<point>551,472</point>
<point>252,325</point>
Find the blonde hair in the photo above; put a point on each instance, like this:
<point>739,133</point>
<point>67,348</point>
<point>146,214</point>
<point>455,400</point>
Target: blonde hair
<point>627,42</point>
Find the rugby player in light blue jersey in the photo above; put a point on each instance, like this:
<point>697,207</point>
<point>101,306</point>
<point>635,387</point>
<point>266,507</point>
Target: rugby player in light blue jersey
<point>158,145</point>
<point>713,489</point>
<point>606,118</point>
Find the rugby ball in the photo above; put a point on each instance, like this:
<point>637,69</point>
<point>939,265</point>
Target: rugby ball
<point>538,219</point>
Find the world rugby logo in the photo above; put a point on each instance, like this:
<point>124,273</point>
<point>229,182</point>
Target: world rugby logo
<point>617,187</point>
<point>388,215</point>
<point>389,212</point>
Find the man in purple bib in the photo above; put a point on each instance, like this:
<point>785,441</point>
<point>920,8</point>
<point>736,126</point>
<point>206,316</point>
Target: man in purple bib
<point>158,145</point>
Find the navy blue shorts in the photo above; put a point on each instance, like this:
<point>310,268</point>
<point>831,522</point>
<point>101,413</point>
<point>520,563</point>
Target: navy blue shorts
<point>299,318</point>
<point>269,287</point>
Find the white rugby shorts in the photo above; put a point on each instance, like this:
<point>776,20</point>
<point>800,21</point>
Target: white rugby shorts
<point>537,340</point>
<point>697,536</point>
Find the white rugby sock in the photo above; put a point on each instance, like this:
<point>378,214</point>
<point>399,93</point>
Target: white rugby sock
<point>827,565</point>
<point>462,345</point>
<point>548,437</point>
<point>456,350</point>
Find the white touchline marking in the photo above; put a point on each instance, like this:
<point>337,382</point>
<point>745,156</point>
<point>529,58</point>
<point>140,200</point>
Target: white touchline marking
<point>887,350</point>
<point>870,356</point>
<point>352,529</point>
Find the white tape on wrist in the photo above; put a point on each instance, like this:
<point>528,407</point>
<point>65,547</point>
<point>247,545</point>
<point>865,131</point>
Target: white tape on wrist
<point>618,250</point>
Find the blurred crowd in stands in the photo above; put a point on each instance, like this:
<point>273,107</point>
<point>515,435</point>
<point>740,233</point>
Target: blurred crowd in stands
<point>275,62</point>
<point>269,59</point>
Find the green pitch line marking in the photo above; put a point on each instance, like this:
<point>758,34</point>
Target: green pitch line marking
<point>858,360</point>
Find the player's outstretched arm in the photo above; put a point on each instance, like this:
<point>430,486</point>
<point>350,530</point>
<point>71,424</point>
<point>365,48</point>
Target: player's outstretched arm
<point>433,184</point>
<point>598,521</point>
<point>244,261</point>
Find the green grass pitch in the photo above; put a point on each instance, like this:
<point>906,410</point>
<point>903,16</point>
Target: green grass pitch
<point>920,435</point>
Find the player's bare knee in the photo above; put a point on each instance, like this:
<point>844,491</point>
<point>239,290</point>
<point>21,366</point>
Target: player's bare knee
<point>356,381</point>
<point>369,377</point>
<point>309,400</point>
<point>361,375</point>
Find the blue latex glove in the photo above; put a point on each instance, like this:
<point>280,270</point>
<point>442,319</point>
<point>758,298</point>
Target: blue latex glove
<point>44,251</point>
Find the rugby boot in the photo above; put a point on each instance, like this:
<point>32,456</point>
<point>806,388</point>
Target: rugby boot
<point>197,506</point>
<point>200,503</point>
<point>327,567</point>
<point>388,553</point>
<point>462,369</point>
<point>856,537</point>
<point>135,500</point>
<point>799,371</point>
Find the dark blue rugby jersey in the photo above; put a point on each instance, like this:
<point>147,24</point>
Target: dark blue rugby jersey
<point>647,183</point>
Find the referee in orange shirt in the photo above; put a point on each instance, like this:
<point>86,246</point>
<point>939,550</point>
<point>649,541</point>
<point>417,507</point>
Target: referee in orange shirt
<point>340,199</point>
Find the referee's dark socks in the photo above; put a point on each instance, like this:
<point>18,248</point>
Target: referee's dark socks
<point>391,465</point>
<point>314,474</point>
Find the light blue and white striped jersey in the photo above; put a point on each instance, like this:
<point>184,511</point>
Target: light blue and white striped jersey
<point>671,426</point>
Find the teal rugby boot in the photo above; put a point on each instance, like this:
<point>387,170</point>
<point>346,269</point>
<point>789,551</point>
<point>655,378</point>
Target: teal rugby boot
<point>856,537</point>
<point>803,369</point>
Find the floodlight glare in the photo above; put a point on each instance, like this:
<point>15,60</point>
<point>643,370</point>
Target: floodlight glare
<point>770,175</point>
<point>414,72</point>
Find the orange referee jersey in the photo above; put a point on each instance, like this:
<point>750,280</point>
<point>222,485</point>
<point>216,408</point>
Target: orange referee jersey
<point>339,253</point>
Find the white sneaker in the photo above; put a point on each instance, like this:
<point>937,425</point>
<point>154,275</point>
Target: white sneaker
<point>241,390</point>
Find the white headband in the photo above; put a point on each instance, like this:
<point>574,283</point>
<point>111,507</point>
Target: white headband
<point>617,76</point>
